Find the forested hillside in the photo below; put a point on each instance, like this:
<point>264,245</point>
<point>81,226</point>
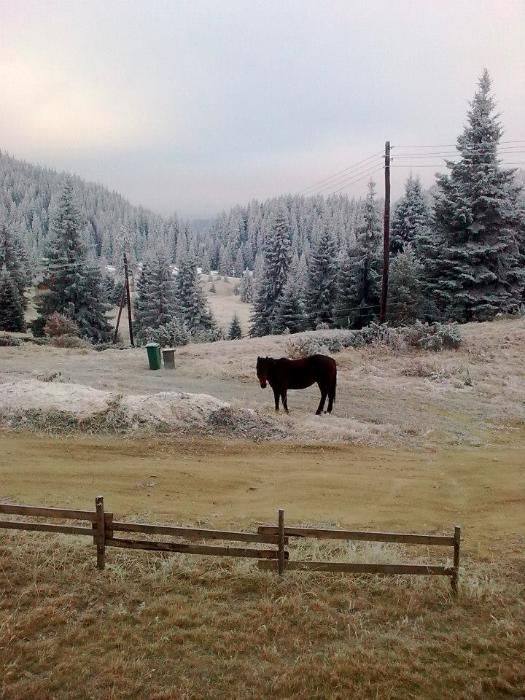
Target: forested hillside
<point>305,262</point>
<point>28,200</point>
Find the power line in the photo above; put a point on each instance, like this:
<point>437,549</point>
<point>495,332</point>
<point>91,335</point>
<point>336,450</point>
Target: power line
<point>341,172</point>
<point>447,154</point>
<point>440,165</point>
<point>376,168</point>
<point>345,179</point>
<point>454,145</point>
<point>341,180</point>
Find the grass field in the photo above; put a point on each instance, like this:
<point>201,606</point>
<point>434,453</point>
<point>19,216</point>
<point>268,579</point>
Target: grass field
<point>159,627</point>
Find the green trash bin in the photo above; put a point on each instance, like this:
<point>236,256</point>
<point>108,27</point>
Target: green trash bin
<point>153,350</point>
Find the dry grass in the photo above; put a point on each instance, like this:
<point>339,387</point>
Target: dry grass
<point>232,482</point>
<point>384,397</point>
<point>166,627</point>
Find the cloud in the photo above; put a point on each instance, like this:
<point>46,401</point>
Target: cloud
<point>199,105</point>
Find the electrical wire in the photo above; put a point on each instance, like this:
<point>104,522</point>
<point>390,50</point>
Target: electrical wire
<point>453,154</point>
<point>454,145</point>
<point>338,174</point>
<point>440,165</point>
<point>361,177</point>
<point>343,180</point>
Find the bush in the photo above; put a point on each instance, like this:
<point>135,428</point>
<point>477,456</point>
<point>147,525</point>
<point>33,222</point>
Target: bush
<point>304,346</point>
<point>37,327</point>
<point>7,341</point>
<point>58,325</point>
<point>434,337</point>
<point>172,334</point>
<point>207,336</point>
<point>70,341</point>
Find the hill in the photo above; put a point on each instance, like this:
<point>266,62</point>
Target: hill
<point>28,196</point>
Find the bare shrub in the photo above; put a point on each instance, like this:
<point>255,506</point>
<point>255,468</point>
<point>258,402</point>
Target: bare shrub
<point>58,325</point>
<point>304,346</point>
<point>7,341</point>
<point>70,341</point>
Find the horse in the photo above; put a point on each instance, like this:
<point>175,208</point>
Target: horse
<point>284,374</point>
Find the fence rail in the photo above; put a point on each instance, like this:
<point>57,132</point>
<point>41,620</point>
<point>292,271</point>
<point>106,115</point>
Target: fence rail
<point>102,528</point>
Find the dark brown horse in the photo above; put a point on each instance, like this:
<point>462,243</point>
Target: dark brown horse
<point>284,374</point>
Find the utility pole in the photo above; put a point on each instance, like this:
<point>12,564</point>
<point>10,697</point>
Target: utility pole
<point>128,298</point>
<point>386,237</point>
<point>121,306</point>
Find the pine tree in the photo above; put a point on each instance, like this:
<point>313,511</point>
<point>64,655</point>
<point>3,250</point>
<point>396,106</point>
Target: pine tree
<point>476,270</point>
<point>14,256</point>
<point>358,282</point>
<point>155,304</point>
<point>191,303</point>
<point>274,273</point>
<point>358,288</point>
<point>321,286</point>
<point>302,275</point>
<point>246,288</point>
<point>405,290</point>
<point>11,308</point>
<point>410,215</point>
<point>290,313</point>
<point>234,332</point>
<point>73,284</point>
<point>90,313</point>
<point>239,264</point>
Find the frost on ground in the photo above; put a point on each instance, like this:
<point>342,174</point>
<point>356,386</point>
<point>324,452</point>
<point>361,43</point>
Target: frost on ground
<point>387,396</point>
<point>55,407</point>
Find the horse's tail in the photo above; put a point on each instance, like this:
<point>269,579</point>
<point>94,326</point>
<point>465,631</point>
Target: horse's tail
<point>335,383</point>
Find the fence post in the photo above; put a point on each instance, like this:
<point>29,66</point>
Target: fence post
<point>101,532</point>
<point>280,553</point>
<point>455,574</point>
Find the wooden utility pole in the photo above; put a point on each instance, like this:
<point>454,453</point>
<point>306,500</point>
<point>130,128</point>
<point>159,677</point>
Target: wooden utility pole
<point>128,298</point>
<point>386,237</point>
<point>121,306</point>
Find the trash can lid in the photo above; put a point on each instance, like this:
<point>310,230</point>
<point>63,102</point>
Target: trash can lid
<point>153,345</point>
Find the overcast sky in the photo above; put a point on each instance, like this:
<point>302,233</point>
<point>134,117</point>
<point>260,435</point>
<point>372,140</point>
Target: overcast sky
<point>194,106</point>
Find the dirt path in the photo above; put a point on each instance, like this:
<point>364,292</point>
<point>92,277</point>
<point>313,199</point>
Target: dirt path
<point>237,482</point>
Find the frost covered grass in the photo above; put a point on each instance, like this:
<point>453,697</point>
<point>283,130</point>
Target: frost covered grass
<point>161,627</point>
<point>387,394</point>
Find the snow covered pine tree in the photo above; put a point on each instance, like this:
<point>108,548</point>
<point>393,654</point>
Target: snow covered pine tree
<point>274,273</point>
<point>473,261</point>
<point>11,308</point>
<point>73,283</point>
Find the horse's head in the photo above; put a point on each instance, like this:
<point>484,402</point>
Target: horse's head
<point>262,371</point>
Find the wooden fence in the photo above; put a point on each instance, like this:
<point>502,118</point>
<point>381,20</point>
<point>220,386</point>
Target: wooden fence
<point>102,527</point>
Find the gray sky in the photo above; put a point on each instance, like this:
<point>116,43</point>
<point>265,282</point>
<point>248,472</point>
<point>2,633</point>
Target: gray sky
<point>198,105</point>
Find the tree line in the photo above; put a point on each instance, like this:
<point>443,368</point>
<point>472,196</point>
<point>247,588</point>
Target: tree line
<point>460,257</point>
<point>304,262</point>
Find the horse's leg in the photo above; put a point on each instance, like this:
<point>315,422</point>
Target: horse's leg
<point>276,397</point>
<point>284,399</point>
<point>331,396</point>
<point>323,399</point>
<point>331,393</point>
